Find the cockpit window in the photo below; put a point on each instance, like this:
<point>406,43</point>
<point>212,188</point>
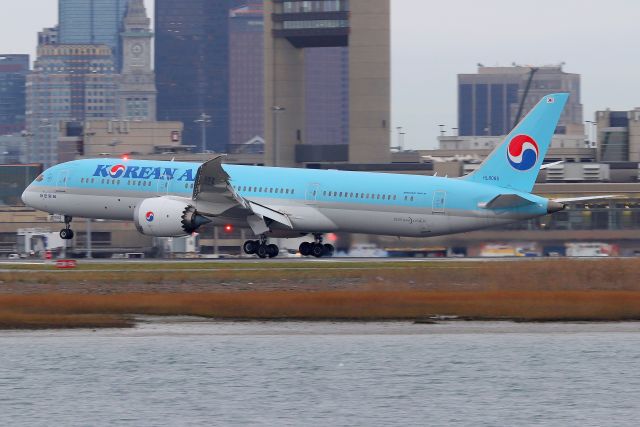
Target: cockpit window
<point>40,178</point>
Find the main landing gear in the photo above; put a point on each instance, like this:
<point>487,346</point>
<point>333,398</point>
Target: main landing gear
<point>316,249</point>
<point>67,233</point>
<point>260,248</point>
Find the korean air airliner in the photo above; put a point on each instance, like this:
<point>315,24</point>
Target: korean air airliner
<point>170,199</point>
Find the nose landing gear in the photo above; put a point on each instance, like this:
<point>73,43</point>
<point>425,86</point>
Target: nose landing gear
<point>260,248</point>
<point>316,249</point>
<point>67,233</point>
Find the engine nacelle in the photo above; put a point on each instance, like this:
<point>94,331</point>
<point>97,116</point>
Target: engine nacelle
<point>165,217</point>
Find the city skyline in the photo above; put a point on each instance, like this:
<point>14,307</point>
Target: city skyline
<point>428,52</point>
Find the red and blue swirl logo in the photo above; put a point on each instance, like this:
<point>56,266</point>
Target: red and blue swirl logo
<point>117,171</point>
<point>522,152</point>
<point>149,216</point>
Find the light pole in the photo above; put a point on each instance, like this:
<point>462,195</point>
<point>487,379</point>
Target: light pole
<point>399,129</point>
<point>276,109</point>
<point>25,152</point>
<point>89,241</point>
<point>203,119</point>
<point>591,130</point>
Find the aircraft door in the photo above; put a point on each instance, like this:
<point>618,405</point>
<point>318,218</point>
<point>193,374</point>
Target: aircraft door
<point>163,185</point>
<point>313,191</point>
<point>62,179</point>
<point>439,202</point>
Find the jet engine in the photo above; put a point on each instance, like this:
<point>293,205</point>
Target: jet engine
<point>165,217</point>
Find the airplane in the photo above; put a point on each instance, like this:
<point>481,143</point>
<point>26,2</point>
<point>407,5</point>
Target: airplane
<point>172,199</point>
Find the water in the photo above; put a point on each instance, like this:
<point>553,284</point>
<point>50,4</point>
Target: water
<point>320,374</point>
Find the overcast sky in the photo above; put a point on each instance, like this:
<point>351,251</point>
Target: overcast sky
<point>434,40</point>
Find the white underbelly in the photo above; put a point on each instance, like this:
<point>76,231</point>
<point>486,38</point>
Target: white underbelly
<point>94,206</point>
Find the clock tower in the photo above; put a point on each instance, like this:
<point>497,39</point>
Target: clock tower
<point>137,86</point>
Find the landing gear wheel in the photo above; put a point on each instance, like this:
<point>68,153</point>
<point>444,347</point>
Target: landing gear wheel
<point>317,250</point>
<point>305,248</point>
<point>328,250</point>
<point>272,251</point>
<point>262,251</point>
<point>250,247</point>
<point>67,233</point>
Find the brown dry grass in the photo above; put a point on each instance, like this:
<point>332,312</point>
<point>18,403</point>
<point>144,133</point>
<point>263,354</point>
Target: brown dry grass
<point>537,290</point>
<point>345,305</point>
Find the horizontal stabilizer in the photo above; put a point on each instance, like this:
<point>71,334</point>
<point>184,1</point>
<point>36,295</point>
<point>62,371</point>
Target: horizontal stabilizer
<point>506,201</point>
<point>550,165</point>
<point>580,199</point>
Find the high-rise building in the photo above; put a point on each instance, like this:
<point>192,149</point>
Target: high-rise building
<point>489,102</point>
<point>92,22</point>
<point>13,74</point>
<point>246,74</point>
<point>68,83</point>
<point>192,68</point>
<point>359,31</point>
<point>327,95</point>
<point>48,36</point>
<point>136,85</point>
<point>618,135</point>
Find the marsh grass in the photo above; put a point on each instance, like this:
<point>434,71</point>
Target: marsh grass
<point>531,291</point>
<point>58,309</point>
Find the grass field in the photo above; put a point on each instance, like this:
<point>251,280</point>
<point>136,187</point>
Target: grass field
<point>110,295</point>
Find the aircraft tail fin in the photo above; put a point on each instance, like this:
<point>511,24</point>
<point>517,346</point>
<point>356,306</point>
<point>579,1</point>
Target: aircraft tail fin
<point>515,163</point>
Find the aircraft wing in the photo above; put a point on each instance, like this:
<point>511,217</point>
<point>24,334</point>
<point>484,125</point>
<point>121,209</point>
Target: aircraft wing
<point>215,196</point>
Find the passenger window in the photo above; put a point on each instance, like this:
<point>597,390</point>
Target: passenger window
<point>292,191</point>
<point>384,197</point>
<point>350,194</point>
<point>341,194</point>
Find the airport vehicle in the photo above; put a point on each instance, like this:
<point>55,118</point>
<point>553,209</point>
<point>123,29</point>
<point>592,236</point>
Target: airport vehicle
<point>168,199</point>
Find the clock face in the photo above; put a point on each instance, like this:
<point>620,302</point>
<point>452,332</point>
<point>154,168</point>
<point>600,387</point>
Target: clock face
<point>137,49</point>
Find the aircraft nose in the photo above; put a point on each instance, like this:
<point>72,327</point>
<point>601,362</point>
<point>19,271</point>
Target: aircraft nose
<point>25,196</point>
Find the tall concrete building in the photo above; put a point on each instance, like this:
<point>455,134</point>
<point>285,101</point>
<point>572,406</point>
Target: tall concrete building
<point>246,74</point>
<point>92,22</point>
<point>13,74</point>
<point>618,135</point>
<point>136,85</point>
<point>294,27</point>
<point>68,83</point>
<point>327,96</point>
<point>489,101</point>
<point>192,68</point>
